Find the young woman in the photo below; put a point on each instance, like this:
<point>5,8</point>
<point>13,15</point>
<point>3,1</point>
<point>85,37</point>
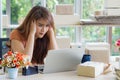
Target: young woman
<point>35,36</point>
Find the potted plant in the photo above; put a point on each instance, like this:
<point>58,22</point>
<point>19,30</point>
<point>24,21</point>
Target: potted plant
<point>13,61</point>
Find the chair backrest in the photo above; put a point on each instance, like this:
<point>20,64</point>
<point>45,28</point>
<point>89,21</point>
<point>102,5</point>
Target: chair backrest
<point>3,47</point>
<point>63,42</point>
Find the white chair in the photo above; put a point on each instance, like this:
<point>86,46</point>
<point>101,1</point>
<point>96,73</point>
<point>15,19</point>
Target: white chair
<point>63,42</point>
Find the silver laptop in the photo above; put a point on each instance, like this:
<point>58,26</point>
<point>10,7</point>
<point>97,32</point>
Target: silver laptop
<point>62,60</point>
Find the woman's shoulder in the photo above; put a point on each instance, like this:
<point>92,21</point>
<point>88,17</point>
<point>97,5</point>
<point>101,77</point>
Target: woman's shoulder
<point>15,34</point>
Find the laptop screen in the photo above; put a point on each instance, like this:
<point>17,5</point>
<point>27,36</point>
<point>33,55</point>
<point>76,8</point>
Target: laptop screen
<point>62,60</point>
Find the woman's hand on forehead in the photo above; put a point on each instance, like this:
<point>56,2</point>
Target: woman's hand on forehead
<point>33,27</point>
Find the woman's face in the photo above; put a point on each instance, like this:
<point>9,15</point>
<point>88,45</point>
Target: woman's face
<point>42,28</point>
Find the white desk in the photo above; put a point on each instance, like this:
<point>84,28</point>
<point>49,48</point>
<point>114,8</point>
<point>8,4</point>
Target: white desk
<point>71,75</point>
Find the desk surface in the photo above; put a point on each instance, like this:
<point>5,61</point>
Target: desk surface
<point>71,75</point>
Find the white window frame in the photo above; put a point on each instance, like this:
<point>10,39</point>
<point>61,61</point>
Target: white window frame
<point>0,18</point>
<point>78,10</point>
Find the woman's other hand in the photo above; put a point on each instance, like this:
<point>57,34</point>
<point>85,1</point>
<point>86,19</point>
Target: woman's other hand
<point>50,32</point>
<point>33,27</point>
<point>53,43</point>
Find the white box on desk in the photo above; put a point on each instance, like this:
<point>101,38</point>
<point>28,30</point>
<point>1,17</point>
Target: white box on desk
<point>90,69</point>
<point>99,54</point>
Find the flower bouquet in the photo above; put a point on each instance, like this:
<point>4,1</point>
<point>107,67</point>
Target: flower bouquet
<point>13,61</point>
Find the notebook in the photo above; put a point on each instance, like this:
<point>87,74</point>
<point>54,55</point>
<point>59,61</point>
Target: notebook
<point>62,60</point>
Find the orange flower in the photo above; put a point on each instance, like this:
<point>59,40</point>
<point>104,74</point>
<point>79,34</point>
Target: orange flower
<point>9,53</point>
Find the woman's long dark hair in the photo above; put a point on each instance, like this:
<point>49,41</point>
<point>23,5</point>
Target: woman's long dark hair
<point>40,50</point>
<point>41,44</point>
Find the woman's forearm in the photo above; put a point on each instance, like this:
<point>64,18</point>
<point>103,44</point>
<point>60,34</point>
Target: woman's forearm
<point>30,45</point>
<point>31,40</point>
